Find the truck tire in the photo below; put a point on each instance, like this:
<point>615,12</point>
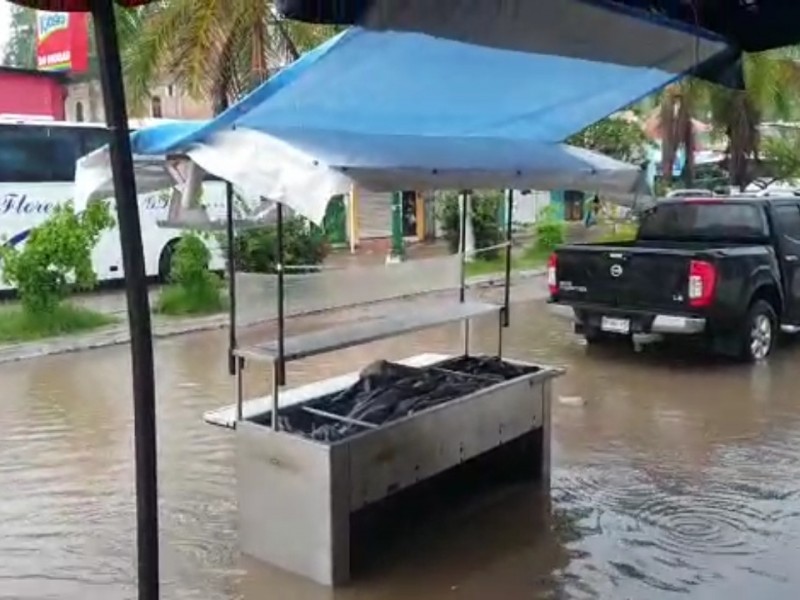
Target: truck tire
<point>759,332</point>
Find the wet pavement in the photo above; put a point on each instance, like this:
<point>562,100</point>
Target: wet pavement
<point>674,476</point>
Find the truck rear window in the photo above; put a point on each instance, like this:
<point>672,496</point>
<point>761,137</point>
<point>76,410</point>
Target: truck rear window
<point>704,221</point>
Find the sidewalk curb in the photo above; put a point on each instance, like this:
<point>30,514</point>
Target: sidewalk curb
<point>117,335</point>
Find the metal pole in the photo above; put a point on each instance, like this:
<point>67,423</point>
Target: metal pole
<point>138,303</point>
<point>230,235</point>
<point>462,232</point>
<point>463,244</point>
<point>232,342</point>
<point>281,366</point>
<point>239,364</point>
<point>507,290</point>
<point>276,388</point>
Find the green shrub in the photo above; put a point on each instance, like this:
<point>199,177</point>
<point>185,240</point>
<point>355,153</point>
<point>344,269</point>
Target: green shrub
<point>257,249</point>
<point>194,289</point>
<point>56,258</point>
<point>619,232</point>
<point>550,230</point>
<point>486,225</point>
<point>19,325</point>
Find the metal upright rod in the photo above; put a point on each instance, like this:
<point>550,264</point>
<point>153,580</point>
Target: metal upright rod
<point>230,235</point>
<point>281,366</point>
<point>138,302</point>
<point>462,244</point>
<point>509,235</point>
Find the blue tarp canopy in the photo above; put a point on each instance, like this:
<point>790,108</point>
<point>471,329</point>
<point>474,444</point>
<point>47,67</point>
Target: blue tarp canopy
<point>403,110</point>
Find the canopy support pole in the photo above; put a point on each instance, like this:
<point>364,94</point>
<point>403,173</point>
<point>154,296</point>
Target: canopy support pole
<point>462,244</point>
<point>281,370</point>
<point>462,292</point>
<point>138,303</point>
<point>230,235</point>
<point>507,291</point>
<point>230,238</point>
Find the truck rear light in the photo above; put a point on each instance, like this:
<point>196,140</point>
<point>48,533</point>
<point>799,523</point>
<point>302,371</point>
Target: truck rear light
<point>702,283</point>
<point>552,274</point>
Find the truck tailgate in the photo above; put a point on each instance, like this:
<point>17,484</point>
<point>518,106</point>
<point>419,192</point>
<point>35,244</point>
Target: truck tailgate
<point>627,276</point>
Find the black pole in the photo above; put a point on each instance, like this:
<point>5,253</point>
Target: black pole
<point>507,291</point>
<point>230,236</point>
<point>463,243</point>
<point>232,342</point>
<point>281,370</point>
<point>138,303</point>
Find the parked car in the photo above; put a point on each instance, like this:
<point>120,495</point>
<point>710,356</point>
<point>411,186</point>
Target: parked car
<point>725,270</point>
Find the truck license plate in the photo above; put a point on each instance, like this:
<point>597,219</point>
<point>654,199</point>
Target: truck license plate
<point>612,325</point>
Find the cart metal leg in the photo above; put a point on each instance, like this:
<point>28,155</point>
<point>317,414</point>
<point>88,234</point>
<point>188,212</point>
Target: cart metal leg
<point>239,390</point>
<point>276,386</point>
<point>500,326</point>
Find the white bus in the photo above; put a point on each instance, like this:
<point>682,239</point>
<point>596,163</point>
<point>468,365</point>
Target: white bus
<point>37,172</point>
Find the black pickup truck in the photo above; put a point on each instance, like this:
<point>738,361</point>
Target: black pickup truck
<point>725,270</point>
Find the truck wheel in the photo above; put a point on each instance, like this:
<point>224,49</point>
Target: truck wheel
<point>759,332</point>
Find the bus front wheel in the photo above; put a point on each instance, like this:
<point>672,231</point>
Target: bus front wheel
<point>165,261</point>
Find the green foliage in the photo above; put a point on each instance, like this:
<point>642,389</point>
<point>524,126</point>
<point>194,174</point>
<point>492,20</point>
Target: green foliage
<point>18,325</point>
<point>218,49</point>
<point>782,156</point>
<point>550,230</point>
<point>194,289</point>
<point>486,226</point>
<point>303,244</point>
<point>56,258</point>
<point>614,137</point>
<point>20,50</point>
<point>619,232</point>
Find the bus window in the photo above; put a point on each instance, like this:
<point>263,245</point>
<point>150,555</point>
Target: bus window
<point>65,148</point>
<point>33,153</point>
<point>92,139</point>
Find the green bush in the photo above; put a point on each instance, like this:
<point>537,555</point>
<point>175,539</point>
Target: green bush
<point>550,230</point>
<point>619,232</point>
<point>486,217</point>
<point>18,325</point>
<point>194,289</point>
<point>257,249</point>
<point>56,258</point>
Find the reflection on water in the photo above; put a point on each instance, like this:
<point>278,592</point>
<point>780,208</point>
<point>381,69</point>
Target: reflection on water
<point>676,475</point>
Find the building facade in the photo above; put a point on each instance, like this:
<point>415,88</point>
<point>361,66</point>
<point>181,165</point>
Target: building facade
<point>30,93</point>
<point>84,102</point>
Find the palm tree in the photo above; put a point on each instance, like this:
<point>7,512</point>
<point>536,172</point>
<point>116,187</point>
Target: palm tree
<point>773,82</point>
<point>676,124</point>
<point>214,48</point>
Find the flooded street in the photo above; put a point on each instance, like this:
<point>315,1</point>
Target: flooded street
<point>674,476</point>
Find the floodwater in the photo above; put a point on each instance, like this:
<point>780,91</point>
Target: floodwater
<point>674,476</point>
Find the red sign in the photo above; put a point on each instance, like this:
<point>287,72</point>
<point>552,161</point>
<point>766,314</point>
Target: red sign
<point>62,41</point>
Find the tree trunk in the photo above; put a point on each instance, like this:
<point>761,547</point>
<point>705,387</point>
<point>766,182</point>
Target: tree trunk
<point>668,137</point>
<point>685,128</point>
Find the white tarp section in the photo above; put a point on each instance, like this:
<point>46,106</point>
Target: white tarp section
<point>260,165</point>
